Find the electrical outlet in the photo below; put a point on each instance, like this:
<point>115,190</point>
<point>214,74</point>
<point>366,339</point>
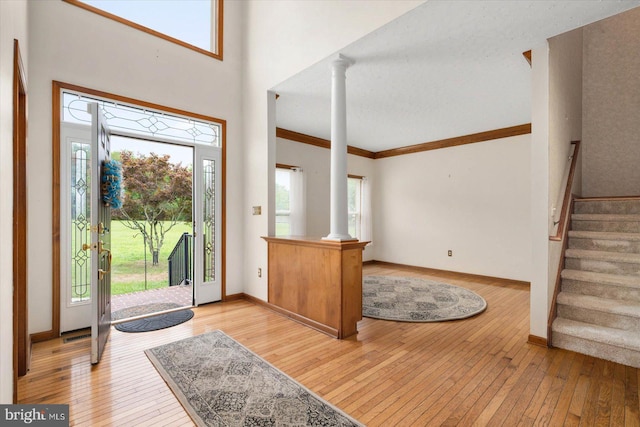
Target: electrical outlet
<point>259,272</point>
<point>450,252</point>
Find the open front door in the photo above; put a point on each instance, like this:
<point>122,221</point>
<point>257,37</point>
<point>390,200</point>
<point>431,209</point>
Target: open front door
<point>100,237</point>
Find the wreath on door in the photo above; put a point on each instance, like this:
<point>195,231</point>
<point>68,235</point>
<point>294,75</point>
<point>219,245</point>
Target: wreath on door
<point>111,183</point>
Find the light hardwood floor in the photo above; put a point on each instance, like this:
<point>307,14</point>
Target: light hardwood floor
<point>478,371</point>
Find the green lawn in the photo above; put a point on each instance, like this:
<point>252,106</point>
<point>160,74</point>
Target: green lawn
<point>128,264</point>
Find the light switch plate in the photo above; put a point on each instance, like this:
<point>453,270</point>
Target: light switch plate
<point>257,210</point>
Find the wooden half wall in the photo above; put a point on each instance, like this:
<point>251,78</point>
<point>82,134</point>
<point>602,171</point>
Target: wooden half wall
<point>317,282</point>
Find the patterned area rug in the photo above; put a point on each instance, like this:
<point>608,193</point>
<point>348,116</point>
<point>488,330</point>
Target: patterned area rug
<point>417,300</point>
<point>222,383</point>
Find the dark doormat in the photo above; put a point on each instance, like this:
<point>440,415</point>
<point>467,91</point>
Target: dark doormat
<point>153,323</point>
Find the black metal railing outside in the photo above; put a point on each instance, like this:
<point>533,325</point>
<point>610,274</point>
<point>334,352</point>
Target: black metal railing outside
<point>180,265</point>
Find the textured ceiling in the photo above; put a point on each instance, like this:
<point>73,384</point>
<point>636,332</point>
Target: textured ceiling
<point>445,69</point>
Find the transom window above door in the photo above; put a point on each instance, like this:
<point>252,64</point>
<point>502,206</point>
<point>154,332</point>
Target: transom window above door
<point>194,24</point>
<point>141,121</point>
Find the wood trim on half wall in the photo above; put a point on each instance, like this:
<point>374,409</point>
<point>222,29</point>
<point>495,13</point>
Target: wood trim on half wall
<point>57,87</point>
<point>410,149</point>
<point>288,314</point>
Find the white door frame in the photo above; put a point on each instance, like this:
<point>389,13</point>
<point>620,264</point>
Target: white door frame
<point>207,289</point>
<point>72,315</point>
<point>204,293</point>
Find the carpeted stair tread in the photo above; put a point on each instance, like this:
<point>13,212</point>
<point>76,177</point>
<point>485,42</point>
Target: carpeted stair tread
<point>604,305</point>
<point>604,235</point>
<point>606,217</point>
<point>604,278</point>
<point>598,306</point>
<point>630,205</point>
<point>623,257</point>
<point>623,356</point>
<point>601,334</point>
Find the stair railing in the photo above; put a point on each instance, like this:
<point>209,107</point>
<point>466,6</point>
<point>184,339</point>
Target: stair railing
<point>567,194</point>
<point>561,235</point>
<point>180,265</point>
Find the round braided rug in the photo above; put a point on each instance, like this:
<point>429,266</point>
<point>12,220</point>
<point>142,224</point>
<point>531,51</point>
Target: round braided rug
<point>417,300</point>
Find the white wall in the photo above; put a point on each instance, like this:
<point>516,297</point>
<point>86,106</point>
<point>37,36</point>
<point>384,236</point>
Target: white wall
<point>72,45</point>
<point>316,164</point>
<point>539,191</point>
<point>281,38</point>
<point>565,125</point>
<point>612,106</point>
<point>565,109</point>
<point>13,25</point>
<point>472,199</point>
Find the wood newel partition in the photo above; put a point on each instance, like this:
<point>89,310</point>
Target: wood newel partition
<point>317,282</point>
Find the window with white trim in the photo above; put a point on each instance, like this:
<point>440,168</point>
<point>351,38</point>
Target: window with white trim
<point>283,198</point>
<point>137,120</point>
<point>359,208</point>
<point>291,215</point>
<point>354,192</point>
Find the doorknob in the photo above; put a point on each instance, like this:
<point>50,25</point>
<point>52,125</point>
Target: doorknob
<point>102,272</point>
<point>88,247</point>
<point>101,247</point>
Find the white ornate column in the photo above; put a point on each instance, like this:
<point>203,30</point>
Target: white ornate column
<point>339,202</point>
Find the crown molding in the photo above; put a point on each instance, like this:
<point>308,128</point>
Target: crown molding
<point>427,146</point>
<point>457,141</point>
<point>319,142</point>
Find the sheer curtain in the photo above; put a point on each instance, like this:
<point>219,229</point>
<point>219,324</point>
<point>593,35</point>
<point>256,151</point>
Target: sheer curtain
<point>366,228</point>
<point>297,203</point>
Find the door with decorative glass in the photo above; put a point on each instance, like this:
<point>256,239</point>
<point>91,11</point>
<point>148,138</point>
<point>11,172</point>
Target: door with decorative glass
<point>75,151</point>
<point>207,226</point>
<point>100,231</point>
<point>140,124</point>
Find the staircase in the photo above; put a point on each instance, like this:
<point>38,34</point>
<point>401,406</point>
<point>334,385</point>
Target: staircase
<point>598,306</point>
